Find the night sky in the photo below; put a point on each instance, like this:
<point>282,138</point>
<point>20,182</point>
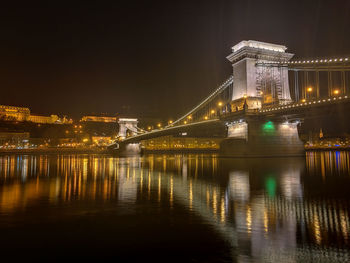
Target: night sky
<point>148,58</point>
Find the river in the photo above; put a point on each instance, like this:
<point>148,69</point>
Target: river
<point>175,208</point>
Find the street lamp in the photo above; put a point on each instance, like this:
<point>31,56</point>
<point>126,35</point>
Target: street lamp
<point>336,92</point>
<point>309,91</point>
<point>220,104</point>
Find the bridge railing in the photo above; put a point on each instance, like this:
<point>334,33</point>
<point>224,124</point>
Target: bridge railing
<point>306,103</point>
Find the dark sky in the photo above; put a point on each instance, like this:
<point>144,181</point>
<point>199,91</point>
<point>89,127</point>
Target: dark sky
<point>158,58</point>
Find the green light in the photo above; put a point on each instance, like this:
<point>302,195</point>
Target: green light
<point>269,128</point>
<point>271,186</point>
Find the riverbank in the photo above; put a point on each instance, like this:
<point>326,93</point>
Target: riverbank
<point>54,151</point>
<point>106,151</point>
<point>333,148</point>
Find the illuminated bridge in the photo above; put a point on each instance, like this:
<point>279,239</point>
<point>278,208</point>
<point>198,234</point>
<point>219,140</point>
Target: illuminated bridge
<point>256,111</point>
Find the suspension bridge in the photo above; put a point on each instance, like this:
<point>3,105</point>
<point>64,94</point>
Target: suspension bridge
<point>256,111</point>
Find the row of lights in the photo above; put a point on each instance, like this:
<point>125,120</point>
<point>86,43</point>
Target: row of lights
<point>241,121</point>
<point>335,92</point>
<point>229,81</point>
<point>303,103</point>
<point>159,125</point>
<point>220,104</point>
<point>224,85</point>
<point>319,61</point>
<point>188,119</point>
<point>311,61</point>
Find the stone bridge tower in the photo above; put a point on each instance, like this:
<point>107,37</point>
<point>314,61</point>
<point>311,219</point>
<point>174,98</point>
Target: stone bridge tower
<point>260,74</point>
<point>125,125</point>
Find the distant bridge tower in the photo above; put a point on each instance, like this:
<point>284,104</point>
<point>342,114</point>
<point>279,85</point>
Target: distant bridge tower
<point>125,125</point>
<point>260,73</point>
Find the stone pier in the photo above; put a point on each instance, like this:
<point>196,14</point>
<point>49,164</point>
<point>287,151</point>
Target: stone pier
<point>262,138</point>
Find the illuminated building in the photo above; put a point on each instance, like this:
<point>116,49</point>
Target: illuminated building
<point>99,118</point>
<point>43,119</point>
<point>178,143</point>
<point>101,140</point>
<point>14,113</point>
<point>321,133</point>
<point>128,126</point>
<point>13,138</point>
<point>253,79</point>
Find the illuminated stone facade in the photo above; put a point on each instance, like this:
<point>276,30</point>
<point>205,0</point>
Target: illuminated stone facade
<point>43,119</point>
<point>127,127</point>
<point>98,119</point>
<point>101,140</point>
<point>251,102</point>
<point>181,143</point>
<point>260,71</point>
<point>257,137</point>
<point>238,130</point>
<point>13,113</point>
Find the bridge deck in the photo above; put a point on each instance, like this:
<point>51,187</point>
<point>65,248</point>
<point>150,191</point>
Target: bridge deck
<point>294,110</point>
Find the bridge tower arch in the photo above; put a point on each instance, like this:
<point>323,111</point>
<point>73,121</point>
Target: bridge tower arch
<point>125,125</point>
<point>260,73</point>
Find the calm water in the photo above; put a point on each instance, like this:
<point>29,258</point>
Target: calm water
<point>183,208</point>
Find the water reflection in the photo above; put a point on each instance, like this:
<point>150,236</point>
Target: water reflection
<point>270,210</point>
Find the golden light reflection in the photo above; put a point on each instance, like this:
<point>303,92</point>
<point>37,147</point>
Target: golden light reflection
<point>159,187</point>
<point>317,229</point>
<point>164,163</point>
<point>149,184</point>
<point>222,214</point>
<point>266,222</point>
<point>215,203</point>
<point>344,225</point>
<point>28,180</point>
<point>171,191</point>
<point>249,220</point>
<point>141,181</point>
<point>207,197</point>
<point>328,163</point>
<point>190,198</point>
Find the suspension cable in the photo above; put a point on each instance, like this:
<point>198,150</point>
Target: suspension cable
<point>222,87</point>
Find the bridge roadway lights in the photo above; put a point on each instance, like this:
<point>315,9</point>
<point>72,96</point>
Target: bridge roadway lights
<point>262,138</point>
